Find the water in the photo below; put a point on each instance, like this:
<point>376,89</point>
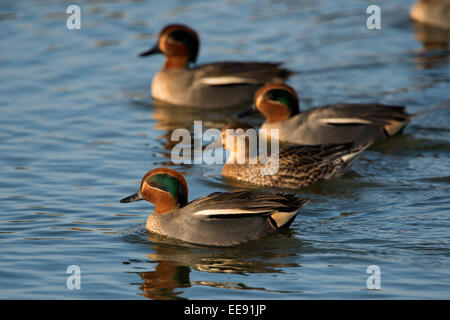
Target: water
<point>78,130</point>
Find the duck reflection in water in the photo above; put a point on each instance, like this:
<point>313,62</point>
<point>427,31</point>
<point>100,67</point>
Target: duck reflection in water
<point>431,25</point>
<point>163,282</point>
<point>175,260</point>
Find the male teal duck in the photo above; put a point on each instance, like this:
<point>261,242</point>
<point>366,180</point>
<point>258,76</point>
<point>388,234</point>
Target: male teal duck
<point>337,123</point>
<point>219,219</point>
<point>214,85</point>
<point>297,165</point>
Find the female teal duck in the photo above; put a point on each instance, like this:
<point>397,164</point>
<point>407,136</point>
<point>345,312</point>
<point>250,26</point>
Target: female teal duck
<point>219,219</point>
<point>214,85</point>
<point>297,165</point>
<point>338,123</point>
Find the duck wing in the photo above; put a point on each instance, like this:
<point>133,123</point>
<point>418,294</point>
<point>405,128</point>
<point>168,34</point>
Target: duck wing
<point>304,155</point>
<point>223,205</point>
<point>230,73</point>
<point>302,165</point>
<point>391,118</point>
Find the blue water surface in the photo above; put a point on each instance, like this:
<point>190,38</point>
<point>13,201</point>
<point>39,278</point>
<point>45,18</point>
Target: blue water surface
<point>78,129</point>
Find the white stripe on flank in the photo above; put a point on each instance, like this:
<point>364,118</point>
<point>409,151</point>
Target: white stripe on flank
<point>213,212</point>
<point>345,121</point>
<point>215,81</point>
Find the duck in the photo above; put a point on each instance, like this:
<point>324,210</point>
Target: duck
<point>435,13</point>
<point>209,86</point>
<point>220,219</point>
<point>360,123</point>
<point>292,167</point>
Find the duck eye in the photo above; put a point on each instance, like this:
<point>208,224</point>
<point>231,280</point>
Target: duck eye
<point>151,183</point>
<point>274,95</point>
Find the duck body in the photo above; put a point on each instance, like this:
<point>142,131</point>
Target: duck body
<point>340,123</point>
<point>216,85</point>
<point>292,167</point>
<point>227,218</point>
<point>208,86</point>
<point>220,219</point>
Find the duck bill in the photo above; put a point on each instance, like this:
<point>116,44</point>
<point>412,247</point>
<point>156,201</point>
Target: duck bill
<point>154,50</point>
<point>134,197</point>
<point>247,112</point>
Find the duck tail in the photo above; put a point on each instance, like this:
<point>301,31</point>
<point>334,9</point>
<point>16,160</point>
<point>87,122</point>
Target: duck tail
<point>350,158</point>
<point>394,127</point>
<point>283,219</point>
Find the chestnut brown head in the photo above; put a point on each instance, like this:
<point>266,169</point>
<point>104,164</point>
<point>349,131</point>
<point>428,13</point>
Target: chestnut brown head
<point>178,43</point>
<point>164,187</point>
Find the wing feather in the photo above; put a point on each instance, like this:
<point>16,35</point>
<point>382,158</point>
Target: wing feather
<point>229,73</point>
<point>244,204</point>
<point>362,114</point>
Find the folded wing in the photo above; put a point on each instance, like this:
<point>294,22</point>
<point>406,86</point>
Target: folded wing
<point>391,118</point>
<point>230,73</point>
<point>231,205</point>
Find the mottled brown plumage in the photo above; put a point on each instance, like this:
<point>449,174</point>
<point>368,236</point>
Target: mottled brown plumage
<point>298,165</point>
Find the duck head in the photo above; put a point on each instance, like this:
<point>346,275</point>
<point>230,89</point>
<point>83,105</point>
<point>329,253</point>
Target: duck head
<point>164,187</point>
<point>276,102</point>
<point>180,45</point>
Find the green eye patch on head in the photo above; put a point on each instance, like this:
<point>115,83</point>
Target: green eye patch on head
<point>168,183</point>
